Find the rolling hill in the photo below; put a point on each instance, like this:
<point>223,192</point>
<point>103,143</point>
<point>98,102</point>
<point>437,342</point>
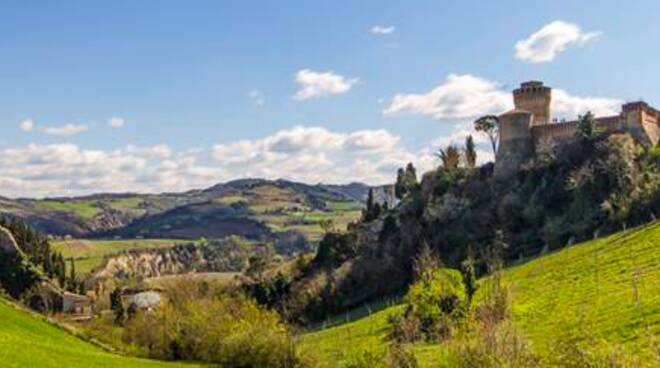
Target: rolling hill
<point>253,208</point>
<point>26,340</point>
<point>609,287</point>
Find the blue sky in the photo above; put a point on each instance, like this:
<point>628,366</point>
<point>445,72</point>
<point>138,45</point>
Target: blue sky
<point>205,91</point>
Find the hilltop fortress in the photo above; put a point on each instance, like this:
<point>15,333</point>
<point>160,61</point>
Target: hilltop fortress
<point>528,127</point>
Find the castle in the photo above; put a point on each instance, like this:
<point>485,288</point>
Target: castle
<point>528,127</point>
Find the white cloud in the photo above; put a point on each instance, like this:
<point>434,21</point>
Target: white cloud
<point>302,153</point>
<point>315,154</point>
<point>569,106</point>
<point>27,125</point>
<point>553,38</point>
<point>116,122</point>
<point>314,84</point>
<point>257,97</point>
<point>382,30</point>
<point>458,97</point>
<point>66,129</point>
<point>66,169</point>
<point>465,97</point>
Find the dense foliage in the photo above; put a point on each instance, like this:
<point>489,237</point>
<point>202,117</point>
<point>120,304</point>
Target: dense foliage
<point>19,272</point>
<point>228,330</point>
<point>563,195</point>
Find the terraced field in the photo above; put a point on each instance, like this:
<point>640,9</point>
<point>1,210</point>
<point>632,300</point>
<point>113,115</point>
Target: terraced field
<point>609,287</point>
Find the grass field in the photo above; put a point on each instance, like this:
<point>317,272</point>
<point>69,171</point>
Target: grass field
<point>83,208</point>
<point>609,287</point>
<point>28,341</point>
<point>88,254</point>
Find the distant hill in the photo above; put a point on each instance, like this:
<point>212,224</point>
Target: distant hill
<point>254,208</point>
<point>610,285</point>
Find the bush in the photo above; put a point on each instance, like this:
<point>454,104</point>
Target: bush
<point>435,305</point>
<point>492,347</point>
<point>230,331</point>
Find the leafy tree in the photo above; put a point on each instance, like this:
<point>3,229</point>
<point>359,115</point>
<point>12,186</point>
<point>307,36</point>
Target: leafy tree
<point>390,227</point>
<point>489,125</point>
<point>469,278</point>
<point>410,178</point>
<point>373,208</point>
<point>399,186</point>
<point>470,153</point>
<point>117,306</point>
<point>587,128</point>
<point>450,157</point>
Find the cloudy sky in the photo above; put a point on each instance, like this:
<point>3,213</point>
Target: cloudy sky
<point>155,96</point>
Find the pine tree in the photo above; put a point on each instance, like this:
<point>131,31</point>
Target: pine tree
<point>470,153</point>
<point>399,186</point>
<point>72,275</point>
<point>117,306</point>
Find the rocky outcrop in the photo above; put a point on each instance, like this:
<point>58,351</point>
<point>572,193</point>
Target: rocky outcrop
<point>7,242</point>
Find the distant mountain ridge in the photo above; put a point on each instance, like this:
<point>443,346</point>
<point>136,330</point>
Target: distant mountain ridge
<point>248,207</point>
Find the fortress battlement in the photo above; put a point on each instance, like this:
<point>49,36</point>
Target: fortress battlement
<point>524,129</point>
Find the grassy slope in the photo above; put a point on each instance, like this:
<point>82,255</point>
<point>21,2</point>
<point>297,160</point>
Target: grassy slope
<point>90,253</point>
<point>610,286</point>
<point>27,341</point>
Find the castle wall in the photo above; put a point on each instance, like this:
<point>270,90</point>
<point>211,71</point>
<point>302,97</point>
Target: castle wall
<point>516,143</point>
<point>526,129</point>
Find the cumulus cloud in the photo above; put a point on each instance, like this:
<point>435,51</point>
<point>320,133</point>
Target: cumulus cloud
<point>66,169</point>
<point>27,125</point>
<point>316,154</point>
<point>465,97</point>
<point>116,122</point>
<point>302,153</point>
<point>568,106</point>
<point>382,30</point>
<point>553,38</point>
<point>313,84</point>
<point>66,129</point>
<point>458,97</point>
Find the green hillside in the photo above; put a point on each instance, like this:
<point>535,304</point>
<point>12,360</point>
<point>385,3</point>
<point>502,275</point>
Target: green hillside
<point>89,253</point>
<point>608,287</point>
<point>27,341</point>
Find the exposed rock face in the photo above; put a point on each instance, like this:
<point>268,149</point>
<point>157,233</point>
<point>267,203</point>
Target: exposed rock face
<point>144,265</point>
<point>7,242</point>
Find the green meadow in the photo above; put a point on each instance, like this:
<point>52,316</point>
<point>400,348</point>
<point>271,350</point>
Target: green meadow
<point>26,340</point>
<point>88,253</point>
<point>608,288</point>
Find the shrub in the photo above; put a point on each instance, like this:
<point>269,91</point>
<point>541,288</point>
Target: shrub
<point>579,349</point>
<point>492,347</point>
<point>230,331</point>
<point>436,304</point>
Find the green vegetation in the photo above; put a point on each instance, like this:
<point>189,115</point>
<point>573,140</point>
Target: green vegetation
<point>606,290</point>
<point>83,208</point>
<point>26,340</point>
<point>89,253</point>
<point>224,329</point>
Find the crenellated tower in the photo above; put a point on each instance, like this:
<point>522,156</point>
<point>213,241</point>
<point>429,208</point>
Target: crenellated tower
<point>534,97</point>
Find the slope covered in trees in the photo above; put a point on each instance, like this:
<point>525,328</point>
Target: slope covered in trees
<point>566,194</point>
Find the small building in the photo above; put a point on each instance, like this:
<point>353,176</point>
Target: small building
<point>79,305</point>
<point>144,300</point>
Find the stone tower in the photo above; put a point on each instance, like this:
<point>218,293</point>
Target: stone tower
<point>534,97</point>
